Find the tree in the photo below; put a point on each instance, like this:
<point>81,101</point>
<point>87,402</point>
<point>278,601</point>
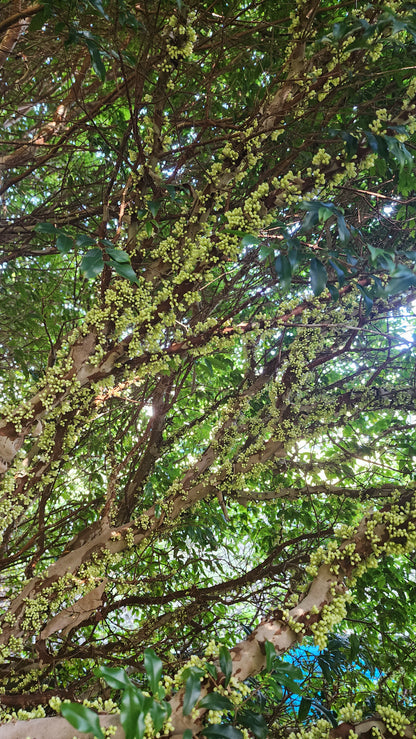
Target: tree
<point>208,384</point>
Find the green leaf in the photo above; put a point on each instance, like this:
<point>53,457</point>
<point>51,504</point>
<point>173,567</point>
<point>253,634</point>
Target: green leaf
<point>216,702</point>
<point>319,276</point>
<point>209,667</point>
<point>115,677</point>
<point>368,300</point>
<point>125,270</point>
<point>159,714</point>
<point>82,719</point>
<point>340,273</point>
<point>254,722</point>
<point>226,664</point>
<point>354,646</point>
<point>153,666</point>
<point>118,255</point>
<point>192,692</point>
<point>270,654</point>
<point>98,6</point>
<point>45,228</point>
<point>64,243</point>
<point>333,290</point>
<point>398,150</point>
<point>84,240</point>
<point>304,708</point>
<point>283,270</point>
<point>187,734</point>
<point>92,263</point>
<point>401,281</point>
<point>132,713</point>
<point>250,240</point>
<point>343,230</point>
<point>96,60</point>
<point>265,252</point>
<point>154,206</point>
<point>40,18</point>
<point>223,731</point>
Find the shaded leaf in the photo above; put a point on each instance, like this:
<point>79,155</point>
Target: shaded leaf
<point>368,300</point>
<point>254,722</point>
<point>92,263</point>
<point>401,281</point>
<point>304,708</point>
<point>64,243</point>
<point>84,240</point>
<point>250,240</point>
<point>154,206</point>
<point>319,276</point>
<point>283,270</point>
<point>96,60</point>
<point>223,731</point>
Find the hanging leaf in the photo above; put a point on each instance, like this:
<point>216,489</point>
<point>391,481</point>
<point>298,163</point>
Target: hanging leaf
<point>368,300</point>
<point>343,230</point>
<point>304,708</point>
<point>154,206</point>
<point>340,273</point>
<point>192,692</point>
<point>124,269</point>
<point>226,664</point>
<point>319,276</point>
<point>92,263</point>
<point>96,59</point>
<point>82,719</point>
<point>283,270</point>
<point>132,713</point>
<point>64,243</point>
<point>333,291</point>
<point>153,666</point>
<point>159,714</point>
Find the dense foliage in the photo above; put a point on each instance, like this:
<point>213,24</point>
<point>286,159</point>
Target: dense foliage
<point>208,366</point>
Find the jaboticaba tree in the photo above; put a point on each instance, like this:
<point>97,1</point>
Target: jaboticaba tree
<point>208,391</point>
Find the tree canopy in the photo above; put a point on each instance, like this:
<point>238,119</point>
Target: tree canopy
<point>208,421</point>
